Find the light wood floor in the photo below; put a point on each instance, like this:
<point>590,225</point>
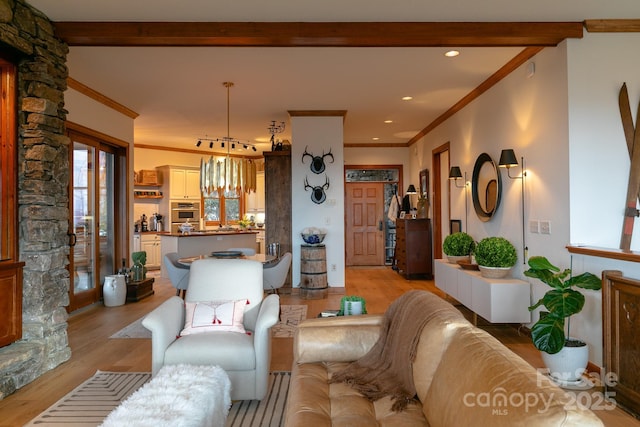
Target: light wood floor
<point>90,328</point>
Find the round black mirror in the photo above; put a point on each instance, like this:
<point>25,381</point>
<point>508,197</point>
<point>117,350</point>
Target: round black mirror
<point>486,187</point>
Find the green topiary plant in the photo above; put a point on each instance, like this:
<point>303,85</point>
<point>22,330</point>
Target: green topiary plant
<point>458,244</point>
<point>561,302</point>
<point>495,252</point>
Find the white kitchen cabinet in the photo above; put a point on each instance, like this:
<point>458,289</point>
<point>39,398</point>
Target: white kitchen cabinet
<point>150,243</point>
<point>255,201</point>
<point>181,182</point>
<point>496,300</point>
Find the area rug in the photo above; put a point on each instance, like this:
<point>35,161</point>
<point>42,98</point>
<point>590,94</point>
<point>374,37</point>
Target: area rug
<point>90,402</point>
<point>268,412</point>
<point>133,330</point>
<point>290,317</point>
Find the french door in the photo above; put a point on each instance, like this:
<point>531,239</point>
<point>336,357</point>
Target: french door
<point>97,214</point>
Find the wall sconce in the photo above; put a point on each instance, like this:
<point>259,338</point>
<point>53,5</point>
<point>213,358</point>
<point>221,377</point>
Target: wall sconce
<point>508,160</point>
<point>454,175</point>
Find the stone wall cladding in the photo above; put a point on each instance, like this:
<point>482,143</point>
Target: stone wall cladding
<point>42,194</point>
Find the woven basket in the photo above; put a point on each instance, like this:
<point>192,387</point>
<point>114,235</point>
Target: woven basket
<point>494,272</point>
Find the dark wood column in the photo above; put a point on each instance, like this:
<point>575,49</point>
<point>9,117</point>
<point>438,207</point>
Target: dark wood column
<point>277,178</point>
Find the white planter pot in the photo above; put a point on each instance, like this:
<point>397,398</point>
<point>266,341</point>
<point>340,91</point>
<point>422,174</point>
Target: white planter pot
<point>568,365</point>
<point>352,308</point>
<point>494,272</point>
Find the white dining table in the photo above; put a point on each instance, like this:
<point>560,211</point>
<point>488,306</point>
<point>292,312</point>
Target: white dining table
<point>263,258</point>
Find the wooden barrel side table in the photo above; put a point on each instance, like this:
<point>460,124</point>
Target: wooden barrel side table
<point>313,272</point>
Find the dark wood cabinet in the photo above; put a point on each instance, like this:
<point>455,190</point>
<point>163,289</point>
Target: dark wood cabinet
<point>413,247</point>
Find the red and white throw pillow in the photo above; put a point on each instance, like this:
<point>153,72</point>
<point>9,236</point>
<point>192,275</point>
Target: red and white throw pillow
<point>208,316</point>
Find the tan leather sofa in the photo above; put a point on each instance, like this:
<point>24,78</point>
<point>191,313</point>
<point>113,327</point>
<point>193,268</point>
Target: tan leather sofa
<point>463,377</point>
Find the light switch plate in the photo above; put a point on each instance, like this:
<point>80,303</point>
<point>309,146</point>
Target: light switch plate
<point>534,226</point>
<point>545,227</point>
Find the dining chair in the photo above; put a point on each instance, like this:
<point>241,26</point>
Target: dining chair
<point>178,273</point>
<point>245,251</point>
<point>274,275</point>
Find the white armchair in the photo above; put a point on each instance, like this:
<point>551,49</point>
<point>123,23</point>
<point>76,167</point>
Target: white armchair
<point>245,357</point>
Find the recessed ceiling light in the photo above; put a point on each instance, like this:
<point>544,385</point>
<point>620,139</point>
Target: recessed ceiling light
<point>452,53</point>
<point>388,121</point>
<point>407,98</point>
<point>375,138</point>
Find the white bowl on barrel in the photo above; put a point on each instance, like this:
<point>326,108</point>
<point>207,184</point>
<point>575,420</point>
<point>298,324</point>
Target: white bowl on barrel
<point>313,238</point>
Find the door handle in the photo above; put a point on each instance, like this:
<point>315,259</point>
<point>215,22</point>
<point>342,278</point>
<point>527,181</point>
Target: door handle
<point>73,239</point>
<point>380,225</point>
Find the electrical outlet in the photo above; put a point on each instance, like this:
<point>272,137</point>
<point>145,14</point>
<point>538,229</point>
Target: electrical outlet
<point>333,267</point>
<point>545,227</point>
<point>534,226</point>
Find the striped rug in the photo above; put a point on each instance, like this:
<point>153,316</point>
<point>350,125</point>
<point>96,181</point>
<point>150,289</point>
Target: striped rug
<point>90,402</point>
<point>268,412</point>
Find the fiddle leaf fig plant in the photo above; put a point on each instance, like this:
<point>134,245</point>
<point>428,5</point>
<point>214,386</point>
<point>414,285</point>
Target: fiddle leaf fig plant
<point>561,302</point>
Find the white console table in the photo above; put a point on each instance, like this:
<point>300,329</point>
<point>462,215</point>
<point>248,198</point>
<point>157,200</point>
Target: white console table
<point>496,300</point>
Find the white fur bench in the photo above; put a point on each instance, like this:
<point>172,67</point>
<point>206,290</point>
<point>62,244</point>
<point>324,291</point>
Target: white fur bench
<point>178,396</point>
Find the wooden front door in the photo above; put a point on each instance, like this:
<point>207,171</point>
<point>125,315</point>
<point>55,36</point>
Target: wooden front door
<point>364,223</point>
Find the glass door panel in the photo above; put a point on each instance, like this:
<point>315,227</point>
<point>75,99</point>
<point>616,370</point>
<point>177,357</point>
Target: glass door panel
<point>106,214</point>
<point>83,210</point>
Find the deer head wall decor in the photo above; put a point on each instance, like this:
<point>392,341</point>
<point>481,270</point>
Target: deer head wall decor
<point>318,194</point>
<point>317,162</point>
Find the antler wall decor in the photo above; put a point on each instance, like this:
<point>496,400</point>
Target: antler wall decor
<point>318,194</point>
<point>317,162</point>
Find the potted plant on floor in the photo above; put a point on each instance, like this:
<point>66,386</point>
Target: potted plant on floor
<point>495,257</point>
<point>565,357</point>
<point>458,246</point>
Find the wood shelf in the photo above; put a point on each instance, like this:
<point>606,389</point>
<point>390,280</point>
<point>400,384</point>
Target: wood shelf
<point>610,253</point>
<point>148,197</point>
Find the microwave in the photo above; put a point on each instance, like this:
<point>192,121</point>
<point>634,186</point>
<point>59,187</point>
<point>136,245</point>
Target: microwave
<point>183,211</point>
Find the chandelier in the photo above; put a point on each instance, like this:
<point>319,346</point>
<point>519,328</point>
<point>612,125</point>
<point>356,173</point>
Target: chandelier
<point>228,176</point>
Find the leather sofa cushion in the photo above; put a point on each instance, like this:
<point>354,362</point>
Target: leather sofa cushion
<point>319,403</point>
<point>480,379</point>
<point>346,340</point>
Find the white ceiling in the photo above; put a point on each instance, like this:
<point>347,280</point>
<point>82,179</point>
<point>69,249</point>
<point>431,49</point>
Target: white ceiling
<point>179,95</point>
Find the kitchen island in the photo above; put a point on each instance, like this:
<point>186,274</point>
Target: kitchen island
<point>204,242</point>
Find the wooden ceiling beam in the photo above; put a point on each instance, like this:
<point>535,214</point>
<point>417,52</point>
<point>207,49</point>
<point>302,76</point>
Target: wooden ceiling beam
<point>612,25</point>
<point>320,34</point>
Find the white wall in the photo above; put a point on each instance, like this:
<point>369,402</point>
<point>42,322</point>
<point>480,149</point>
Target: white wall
<point>565,121</point>
<point>599,161</point>
<point>318,135</point>
<point>97,116</point>
<point>598,66</point>
<point>528,115</point>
